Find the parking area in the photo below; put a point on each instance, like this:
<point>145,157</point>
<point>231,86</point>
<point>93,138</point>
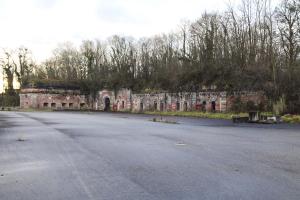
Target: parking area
<point>76,156</point>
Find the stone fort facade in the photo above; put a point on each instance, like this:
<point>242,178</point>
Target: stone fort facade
<point>125,100</point>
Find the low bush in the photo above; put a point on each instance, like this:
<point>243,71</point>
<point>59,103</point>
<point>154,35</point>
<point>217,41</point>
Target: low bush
<point>291,118</point>
<point>238,105</point>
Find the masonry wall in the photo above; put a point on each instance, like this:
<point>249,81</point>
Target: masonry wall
<point>180,102</point>
<point>120,100</point>
<point>54,99</point>
<point>125,100</point>
<point>256,97</point>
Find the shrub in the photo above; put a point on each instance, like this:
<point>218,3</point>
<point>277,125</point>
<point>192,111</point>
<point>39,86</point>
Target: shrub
<point>237,105</point>
<point>250,106</point>
<point>291,118</point>
<point>279,107</point>
<point>9,100</point>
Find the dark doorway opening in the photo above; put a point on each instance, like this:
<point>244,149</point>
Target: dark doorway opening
<point>106,104</point>
<point>177,106</point>
<point>204,105</point>
<point>141,107</point>
<point>82,105</point>
<point>45,105</point>
<point>155,105</point>
<point>213,106</point>
<point>70,105</point>
<point>53,105</point>
<point>64,105</point>
<point>161,106</point>
<point>123,104</point>
<point>185,107</point>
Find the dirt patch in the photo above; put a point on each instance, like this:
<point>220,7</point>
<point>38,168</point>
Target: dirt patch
<point>161,120</point>
<point>21,139</point>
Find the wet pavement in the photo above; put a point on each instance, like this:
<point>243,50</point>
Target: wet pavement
<point>81,156</point>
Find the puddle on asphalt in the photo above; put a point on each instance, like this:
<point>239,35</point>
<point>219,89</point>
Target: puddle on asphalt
<point>180,144</point>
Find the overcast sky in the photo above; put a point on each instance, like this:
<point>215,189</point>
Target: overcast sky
<point>41,24</point>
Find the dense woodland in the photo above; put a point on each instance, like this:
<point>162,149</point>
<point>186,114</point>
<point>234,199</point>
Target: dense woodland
<point>252,47</point>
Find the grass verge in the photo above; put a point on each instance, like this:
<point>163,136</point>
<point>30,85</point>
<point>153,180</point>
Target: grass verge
<point>197,114</point>
<point>34,110</point>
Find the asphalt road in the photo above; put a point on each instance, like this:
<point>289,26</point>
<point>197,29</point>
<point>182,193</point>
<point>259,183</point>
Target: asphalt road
<point>99,156</point>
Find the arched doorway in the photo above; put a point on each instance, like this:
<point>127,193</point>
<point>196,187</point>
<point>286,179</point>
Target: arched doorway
<point>141,107</point>
<point>213,106</point>
<point>185,106</point>
<point>161,106</point>
<point>155,105</point>
<point>106,104</point>
<point>204,106</point>
<point>177,106</point>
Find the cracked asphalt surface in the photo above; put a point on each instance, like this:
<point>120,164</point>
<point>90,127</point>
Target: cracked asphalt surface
<point>96,156</point>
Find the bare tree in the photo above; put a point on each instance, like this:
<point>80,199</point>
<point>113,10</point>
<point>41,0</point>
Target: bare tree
<point>8,67</point>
